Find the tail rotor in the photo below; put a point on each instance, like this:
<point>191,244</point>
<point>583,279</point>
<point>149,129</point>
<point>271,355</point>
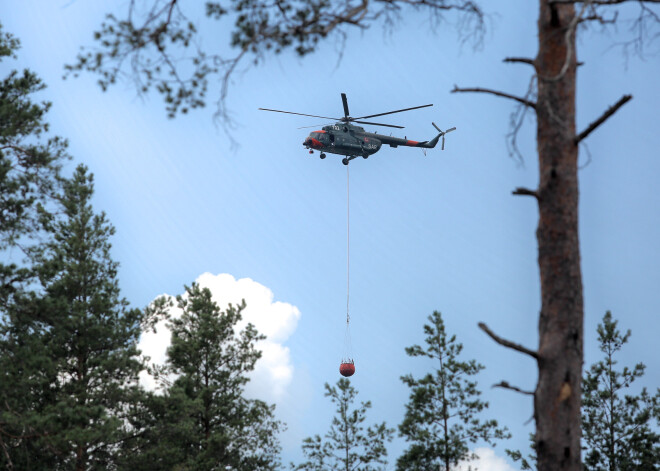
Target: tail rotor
<point>442,133</point>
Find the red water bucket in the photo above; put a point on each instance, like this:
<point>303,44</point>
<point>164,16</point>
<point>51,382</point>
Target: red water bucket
<point>347,368</point>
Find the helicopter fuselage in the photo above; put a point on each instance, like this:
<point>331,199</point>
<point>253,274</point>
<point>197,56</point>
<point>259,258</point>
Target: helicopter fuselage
<point>353,141</point>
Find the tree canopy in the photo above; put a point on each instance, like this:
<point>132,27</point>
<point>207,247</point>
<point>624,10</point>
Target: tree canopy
<point>157,45</point>
<point>203,420</point>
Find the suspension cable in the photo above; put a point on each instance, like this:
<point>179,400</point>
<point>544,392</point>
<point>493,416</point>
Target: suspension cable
<point>348,246</point>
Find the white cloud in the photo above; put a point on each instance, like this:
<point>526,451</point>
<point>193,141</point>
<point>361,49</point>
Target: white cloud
<point>487,461</point>
<point>277,320</point>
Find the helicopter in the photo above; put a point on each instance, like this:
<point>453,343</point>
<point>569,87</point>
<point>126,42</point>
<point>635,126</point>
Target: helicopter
<point>344,138</point>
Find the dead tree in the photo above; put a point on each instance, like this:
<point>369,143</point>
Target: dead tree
<point>559,356</point>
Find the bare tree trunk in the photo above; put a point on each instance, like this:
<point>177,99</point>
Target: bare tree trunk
<point>557,397</point>
<point>80,459</point>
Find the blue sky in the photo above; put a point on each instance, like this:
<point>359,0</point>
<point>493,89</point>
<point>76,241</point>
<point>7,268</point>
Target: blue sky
<point>435,232</point>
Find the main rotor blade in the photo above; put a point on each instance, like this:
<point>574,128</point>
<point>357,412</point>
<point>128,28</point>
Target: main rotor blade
<point>300,114</point>
<point>378,124</point>
<point>315,126</point>
<point>345,103</point>
<point>392,112</point>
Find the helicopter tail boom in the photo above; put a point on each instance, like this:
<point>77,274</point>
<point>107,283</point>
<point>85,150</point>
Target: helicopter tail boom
<point>396,142</point>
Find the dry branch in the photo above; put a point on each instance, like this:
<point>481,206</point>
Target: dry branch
<point>525,192</point>
<point>610,111</point>
<point>506,385</point>
<point>508,343</point>
<point>527,60</point>
<point>522,60</point>
<point>523,101</point>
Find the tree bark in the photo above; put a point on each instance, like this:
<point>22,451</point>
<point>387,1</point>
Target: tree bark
<point>557,398</point>
<point>445,418</point>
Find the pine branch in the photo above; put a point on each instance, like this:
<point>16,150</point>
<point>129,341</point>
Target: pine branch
<point>17,149</point>
<point>9,146</point>
<point>523,101</point>
<point>610,111</point>
<point>507,343</point>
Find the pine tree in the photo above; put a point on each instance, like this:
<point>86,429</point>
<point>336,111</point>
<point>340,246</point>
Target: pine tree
<point>441,417</point>
<point>619,430</point>
<point>348,446</point>
<point>203,421</point>
<point>29,168</point>
<point>90,336</point>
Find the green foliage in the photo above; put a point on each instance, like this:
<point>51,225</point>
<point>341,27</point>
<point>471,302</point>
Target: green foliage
<point>69,350</point>
<point>619,430</point>
<point>441,417</point>
<point>161,46</point>
<point>8,44</point>
<point>29,169</point>
<point>91,333</point>
<point>27,374</point>
<point>203,422</point>
<point>69,397</point>
<point>348,446</point>
<point>29,162</point>
<point>525,463</point>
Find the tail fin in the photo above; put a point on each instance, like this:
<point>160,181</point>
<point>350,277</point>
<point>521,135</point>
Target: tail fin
<point>431,144</point>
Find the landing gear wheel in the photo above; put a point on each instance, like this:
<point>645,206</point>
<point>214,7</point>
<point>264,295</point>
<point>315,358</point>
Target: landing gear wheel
<point>323,156</point>
<point>365,156</point>
<point>344,161</point>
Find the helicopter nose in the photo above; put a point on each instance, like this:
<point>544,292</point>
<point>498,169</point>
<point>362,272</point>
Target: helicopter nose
<point>311,142</point>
